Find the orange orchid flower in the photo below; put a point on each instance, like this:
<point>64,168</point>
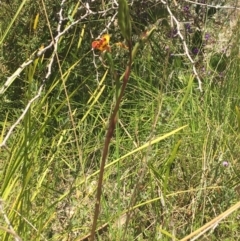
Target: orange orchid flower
<point>102,44</point>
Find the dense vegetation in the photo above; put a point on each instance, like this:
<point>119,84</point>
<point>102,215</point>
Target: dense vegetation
<point>172,166</point>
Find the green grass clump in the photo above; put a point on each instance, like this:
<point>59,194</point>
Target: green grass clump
<point>172,163</point>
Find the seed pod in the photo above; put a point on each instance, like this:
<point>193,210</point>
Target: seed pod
<point>124,19</point>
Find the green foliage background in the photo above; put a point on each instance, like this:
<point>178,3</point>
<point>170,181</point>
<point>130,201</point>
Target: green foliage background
<point>49,166</point>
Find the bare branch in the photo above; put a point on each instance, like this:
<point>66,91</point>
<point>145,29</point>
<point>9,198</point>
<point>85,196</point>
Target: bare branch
<point>213,6</point>
<point>174,19</point>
